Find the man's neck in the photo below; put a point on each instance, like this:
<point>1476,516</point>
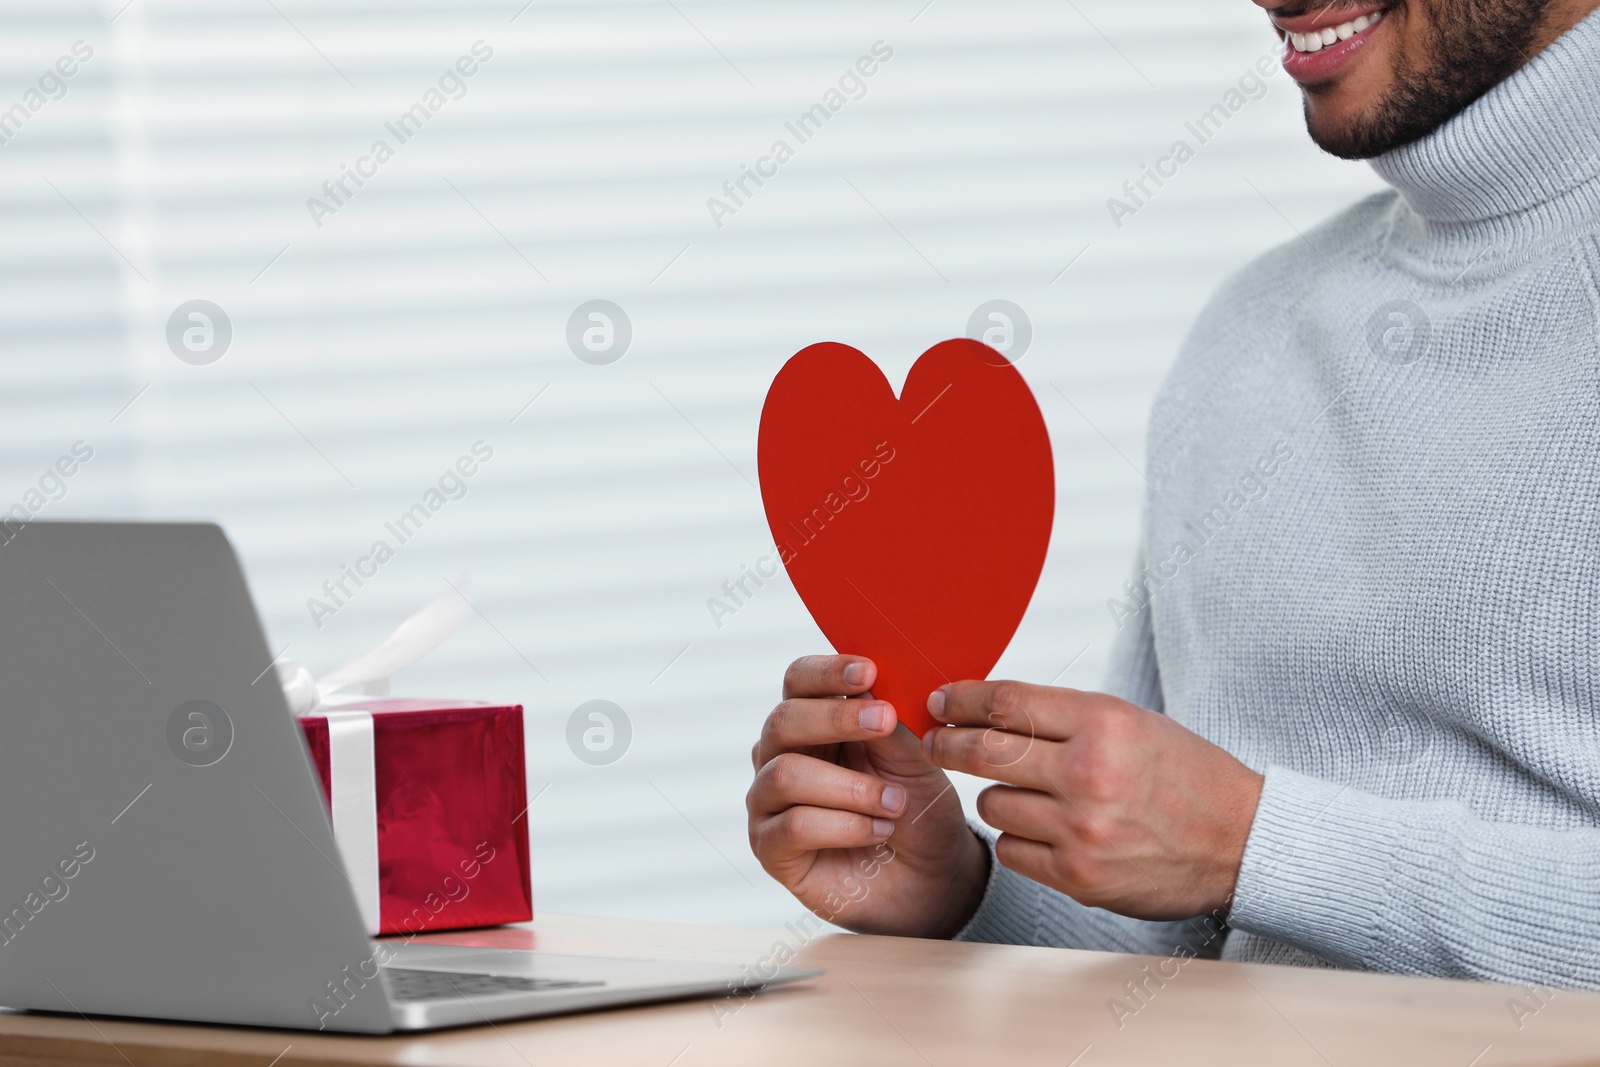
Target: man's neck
<point>1559,17</point>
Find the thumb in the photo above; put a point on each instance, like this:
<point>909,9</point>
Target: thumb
<point>899,754</point>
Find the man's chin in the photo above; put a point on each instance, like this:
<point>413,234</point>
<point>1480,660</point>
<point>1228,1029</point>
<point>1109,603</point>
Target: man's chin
<point>1341,110</point>
<point>1344,128</point>
<point>1346,137</point>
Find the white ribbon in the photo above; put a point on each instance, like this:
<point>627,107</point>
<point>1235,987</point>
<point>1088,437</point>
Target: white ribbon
<point>353,806</point>
<point>411,641</point>
<point>352,772</point>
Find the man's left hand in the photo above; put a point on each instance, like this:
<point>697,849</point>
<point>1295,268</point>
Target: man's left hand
<point>1115,806</point>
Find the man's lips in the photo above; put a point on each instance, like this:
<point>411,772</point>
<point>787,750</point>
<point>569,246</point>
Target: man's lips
<point>1322,43</point>
<point>1327,17</point>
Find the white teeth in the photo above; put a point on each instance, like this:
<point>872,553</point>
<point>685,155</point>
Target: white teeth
<point>1317,40</point>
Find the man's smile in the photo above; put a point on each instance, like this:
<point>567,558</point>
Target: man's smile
<point>1325,40</point>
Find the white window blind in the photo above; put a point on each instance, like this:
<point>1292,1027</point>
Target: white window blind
<point>381,328</point>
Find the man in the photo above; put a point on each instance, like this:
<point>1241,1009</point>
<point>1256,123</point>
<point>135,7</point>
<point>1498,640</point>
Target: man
<point>1354,708</point>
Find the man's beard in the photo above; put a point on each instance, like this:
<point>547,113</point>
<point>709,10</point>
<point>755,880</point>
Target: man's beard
<point>1476,45</point>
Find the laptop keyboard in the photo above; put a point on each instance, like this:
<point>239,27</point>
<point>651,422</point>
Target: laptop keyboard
<point>411,984</point>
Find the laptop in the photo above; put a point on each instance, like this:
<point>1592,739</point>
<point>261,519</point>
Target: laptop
<point>144,874</point>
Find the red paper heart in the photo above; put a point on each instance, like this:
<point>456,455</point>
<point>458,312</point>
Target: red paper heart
<point>913,529</point>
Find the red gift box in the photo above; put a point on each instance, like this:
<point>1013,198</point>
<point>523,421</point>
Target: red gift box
<point>428,800</point>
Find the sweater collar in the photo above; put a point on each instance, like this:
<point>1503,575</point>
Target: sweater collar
<point>1531,139</point>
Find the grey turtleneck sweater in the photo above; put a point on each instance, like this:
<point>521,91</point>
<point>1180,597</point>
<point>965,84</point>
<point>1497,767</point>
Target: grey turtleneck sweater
<point>1371,564</point>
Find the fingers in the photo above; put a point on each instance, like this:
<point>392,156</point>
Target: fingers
<point>991,753</point>
<point>1029,858</point>
<point>800,723</point>
<point>1029,710</point>
<point>799,831</point>
<point>1021,812</point>
<point>792,780</point>
<point>829,676</point>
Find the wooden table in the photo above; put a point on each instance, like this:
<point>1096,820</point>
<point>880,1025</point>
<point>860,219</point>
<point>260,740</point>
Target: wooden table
<point>892,1001</point>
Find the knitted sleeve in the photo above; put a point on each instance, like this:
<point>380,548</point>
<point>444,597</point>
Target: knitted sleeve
<point>1419,887</point>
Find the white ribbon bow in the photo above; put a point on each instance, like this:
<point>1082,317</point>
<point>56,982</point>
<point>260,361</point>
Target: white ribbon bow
<point>411,641</point>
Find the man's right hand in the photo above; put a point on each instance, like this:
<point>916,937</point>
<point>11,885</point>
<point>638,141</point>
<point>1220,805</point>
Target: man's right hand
<point>837,777</point>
